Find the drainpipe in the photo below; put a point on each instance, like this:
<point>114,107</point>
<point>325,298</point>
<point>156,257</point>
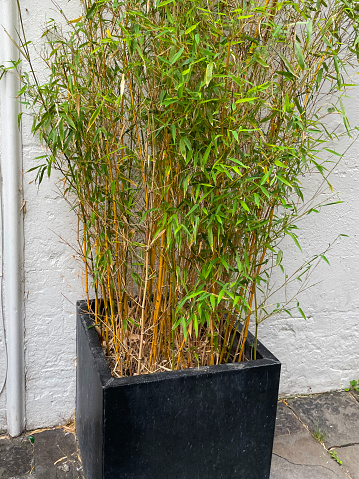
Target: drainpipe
<point>12,222</point>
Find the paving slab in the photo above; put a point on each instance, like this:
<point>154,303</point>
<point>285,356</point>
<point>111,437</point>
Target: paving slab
<point>56,455</point>
<point>350,457</point>
<point>46,454</point>
<point>16,457</point>
<point>334,414</point>
<point>297,455</point>
<point>355,394</point>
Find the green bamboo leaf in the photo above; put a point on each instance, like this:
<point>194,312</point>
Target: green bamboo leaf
<point>95,114</point>
<point>225,264</point>
<point>206,154</point>
<point>336,65</point>
<point>176,56</point>
<point>301,312</point>
<point>261,62</point>
<point>265,177</point>
<point>221,294</point>
<point>209,72</point>
<point>295,239</point>
<point>61,131</point>
<point>245,100</point>
<point>193,295</point>
<point>173,130</point>
<point>265,191</point>
<point>345,118</point>
<point>165,2</point>
<point>235,134</point>
<point>279,257</point>
<point>283,180</point>
<point>239,264</point>
<point>234,159</point>
<point>244,205</point>
<point>325,259</point>
<point>210,237</point>
<point>309,30</point>
<point>190,29</point>
<point>299,55</point>
<point>69,120</point>
<point>182,146</point>
<point>287,65</point>
<point>91,11</point>
<point>184,327</point>
<point>333,152</point>
<point>195,324</point>
<point>288,75</point>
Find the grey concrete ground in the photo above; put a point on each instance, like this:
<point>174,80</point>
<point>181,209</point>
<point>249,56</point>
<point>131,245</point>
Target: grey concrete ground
<point>317,437</point>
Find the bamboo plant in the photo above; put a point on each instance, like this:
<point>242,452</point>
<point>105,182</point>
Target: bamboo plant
<point>182,130</point>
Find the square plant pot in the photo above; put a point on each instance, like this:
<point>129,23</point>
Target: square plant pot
<point>213,422</point>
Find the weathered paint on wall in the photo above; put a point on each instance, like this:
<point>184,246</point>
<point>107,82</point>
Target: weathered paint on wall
<point>319,354</point>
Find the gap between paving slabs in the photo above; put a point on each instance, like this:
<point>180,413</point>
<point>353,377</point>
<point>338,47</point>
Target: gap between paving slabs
<point>332,419</point>
<point>296,454</point>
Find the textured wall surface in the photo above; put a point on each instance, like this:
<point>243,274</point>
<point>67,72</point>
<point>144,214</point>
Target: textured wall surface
<point>52,284</point>
<point>319,354</point>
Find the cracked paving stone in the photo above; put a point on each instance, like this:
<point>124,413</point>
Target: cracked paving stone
<point>16,457</point>
<point>296,454</point>
<point>286,423</point>
<point>335,414</point>
<point>355,394</point>
<point>350,457</point>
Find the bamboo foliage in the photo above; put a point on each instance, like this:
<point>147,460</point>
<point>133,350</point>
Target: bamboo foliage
<point>182,130</point>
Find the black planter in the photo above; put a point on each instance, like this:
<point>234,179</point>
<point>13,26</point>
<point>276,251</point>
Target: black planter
<point>213,422</point>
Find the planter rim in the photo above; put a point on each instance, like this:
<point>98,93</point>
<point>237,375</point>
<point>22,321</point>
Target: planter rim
<point>108,381</point>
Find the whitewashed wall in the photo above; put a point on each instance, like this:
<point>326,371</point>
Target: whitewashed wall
<point>319,354</point>
<point>52,283</point>
<point>3,362</point>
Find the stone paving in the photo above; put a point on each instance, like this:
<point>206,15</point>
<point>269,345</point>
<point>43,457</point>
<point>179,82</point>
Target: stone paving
<point>48,454</point>
<point>317,437</point>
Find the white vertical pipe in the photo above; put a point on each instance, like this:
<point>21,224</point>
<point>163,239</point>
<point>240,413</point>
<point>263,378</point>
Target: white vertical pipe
<point>11,169</point>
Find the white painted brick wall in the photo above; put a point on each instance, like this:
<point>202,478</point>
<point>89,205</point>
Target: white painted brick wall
<point>52,285</point>
<point>319,354</point>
